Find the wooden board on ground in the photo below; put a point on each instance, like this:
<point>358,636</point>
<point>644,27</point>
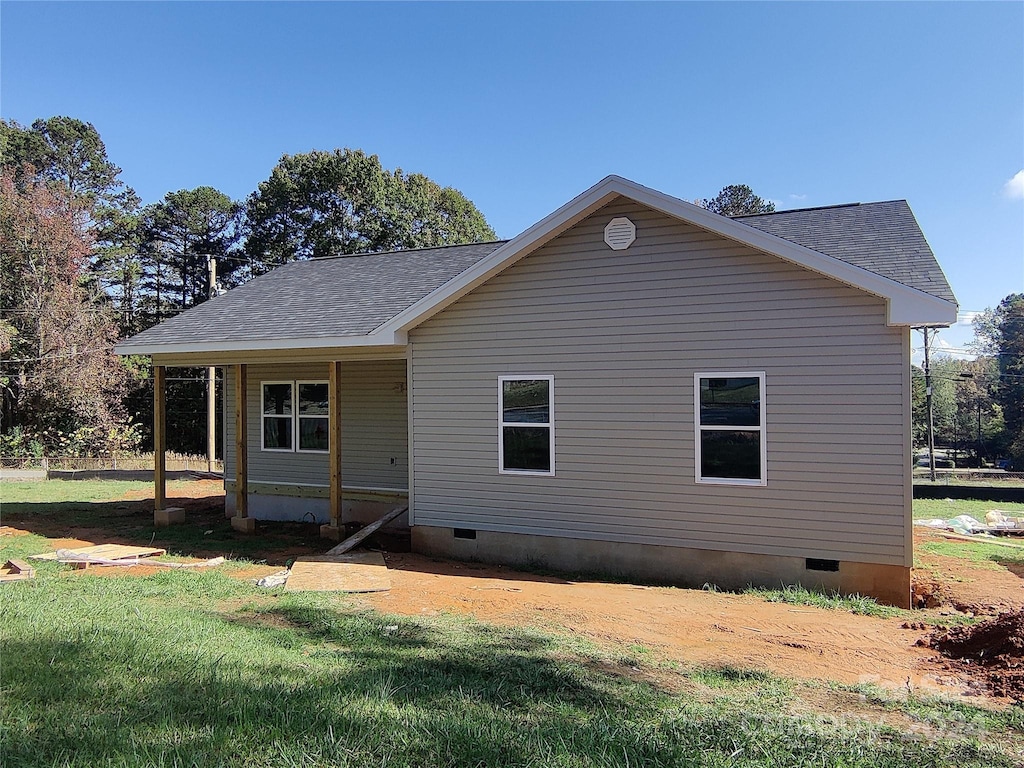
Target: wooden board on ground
<point>357,537</point>
<point>107,552</point>
<point>357,572</point>
<point>16,570</point>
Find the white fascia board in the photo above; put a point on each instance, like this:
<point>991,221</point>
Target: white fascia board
<point>905,305</point>
<point>186,347</point>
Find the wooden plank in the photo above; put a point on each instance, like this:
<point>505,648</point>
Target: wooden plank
<point>356,572</point>
<point>159,439</point>
<point>16,570</point>
<point>372,528</point>
<point>334,439</point>
<point>106,551</point>
<point>241,442</point>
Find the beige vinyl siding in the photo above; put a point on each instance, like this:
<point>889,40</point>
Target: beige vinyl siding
<point>374,427</point>
<point>623,332</point>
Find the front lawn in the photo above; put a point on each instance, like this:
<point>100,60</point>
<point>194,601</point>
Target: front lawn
<point>200,668</point>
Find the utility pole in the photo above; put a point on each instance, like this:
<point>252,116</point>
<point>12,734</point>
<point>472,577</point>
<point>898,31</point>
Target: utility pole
<point>928,403</point>
<point>211,386</point>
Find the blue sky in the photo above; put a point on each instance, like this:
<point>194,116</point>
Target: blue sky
<point>522,106</point>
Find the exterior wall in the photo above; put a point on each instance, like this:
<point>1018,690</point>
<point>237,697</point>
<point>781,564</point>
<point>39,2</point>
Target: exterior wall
<point>623,332</point>
<point>374,446</point>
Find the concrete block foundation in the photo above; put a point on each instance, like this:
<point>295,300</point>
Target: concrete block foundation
<point>168,516</point>
<point>678,566</point>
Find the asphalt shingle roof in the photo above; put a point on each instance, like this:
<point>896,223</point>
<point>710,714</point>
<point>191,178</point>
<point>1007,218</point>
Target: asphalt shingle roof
<point>350,296</point>
<point>320,298</point>
<point>884,238</point>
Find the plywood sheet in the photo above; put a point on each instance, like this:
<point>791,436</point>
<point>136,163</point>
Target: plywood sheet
<point>359,572</point>
<point>107,552</point>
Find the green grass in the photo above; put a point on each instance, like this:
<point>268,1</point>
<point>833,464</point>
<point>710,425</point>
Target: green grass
<point>985,554</point>
<point>70,491</point>
<point>797,595</point>
<point>199,669</point>
<point>194,668</point>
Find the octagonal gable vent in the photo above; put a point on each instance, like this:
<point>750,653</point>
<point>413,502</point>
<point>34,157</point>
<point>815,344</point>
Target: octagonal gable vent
<point>620,233</point>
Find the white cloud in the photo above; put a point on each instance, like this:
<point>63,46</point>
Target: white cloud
<point>966,318</point>
<point>798,198</point>
<point>1014,188</point>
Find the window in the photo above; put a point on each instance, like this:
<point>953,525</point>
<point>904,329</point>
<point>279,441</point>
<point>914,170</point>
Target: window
<point>313,416</point>
<point>526,440</point>
<point>730,440</point>
<point>291,427</point>
<point>277,416</point>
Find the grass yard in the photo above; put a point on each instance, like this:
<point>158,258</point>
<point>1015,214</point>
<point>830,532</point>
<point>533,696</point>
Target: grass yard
<point>183,668</point>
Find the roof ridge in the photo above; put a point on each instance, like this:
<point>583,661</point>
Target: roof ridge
<point>816,208</point>
<point>397,250</point>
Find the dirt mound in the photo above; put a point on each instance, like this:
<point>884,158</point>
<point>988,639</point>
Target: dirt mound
<point>996,645</point>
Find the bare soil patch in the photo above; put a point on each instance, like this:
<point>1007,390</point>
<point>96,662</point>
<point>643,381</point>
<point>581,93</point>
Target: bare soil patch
<point>688,626</point>
<point>954,583</point>
<point>994,647</point>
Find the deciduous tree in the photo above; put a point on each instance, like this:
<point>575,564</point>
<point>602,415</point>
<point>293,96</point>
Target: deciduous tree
<point>331,203</point>
<point>62,385</point>
<point>1000,332</point>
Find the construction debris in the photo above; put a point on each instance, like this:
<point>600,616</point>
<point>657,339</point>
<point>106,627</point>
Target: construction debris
<point>354,572</point>
<point>274,579</point>
<point>105,552</point>
<point>996,523</point>
<point>118,554</point>
<point>372,528</point>
<point>16,570</point>
<point>80,560</point>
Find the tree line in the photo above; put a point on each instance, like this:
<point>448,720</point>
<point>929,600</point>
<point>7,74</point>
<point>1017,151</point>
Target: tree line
<point>978,405</point>
<point>85,263</point>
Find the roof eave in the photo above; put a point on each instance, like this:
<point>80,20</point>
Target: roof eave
<point>375,339</point>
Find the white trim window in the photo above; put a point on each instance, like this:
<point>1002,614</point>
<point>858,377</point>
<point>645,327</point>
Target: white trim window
<point>277,415</point>
<point>287,428</point>
<point>313,413</point>
<point>729,430</point>
<point>526,425</point>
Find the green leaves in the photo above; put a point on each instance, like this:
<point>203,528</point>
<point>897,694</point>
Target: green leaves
<point>737,200</point>
<point>321,204</point>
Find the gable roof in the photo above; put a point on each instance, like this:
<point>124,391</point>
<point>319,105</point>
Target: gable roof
<point>374,299</point>
<point>883,238</point>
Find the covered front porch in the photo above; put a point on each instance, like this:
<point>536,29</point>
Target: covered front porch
<point>314,435</point>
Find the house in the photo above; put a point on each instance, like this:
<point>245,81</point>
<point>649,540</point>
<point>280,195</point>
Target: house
<point>633,385</point>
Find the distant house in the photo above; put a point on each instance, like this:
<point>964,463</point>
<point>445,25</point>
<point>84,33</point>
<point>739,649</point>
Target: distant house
<point>633,385</point>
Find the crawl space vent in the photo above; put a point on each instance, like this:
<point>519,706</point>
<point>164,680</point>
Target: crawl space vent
<point>620,233</point>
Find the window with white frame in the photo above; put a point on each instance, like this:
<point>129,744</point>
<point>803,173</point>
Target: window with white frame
<point>526,419</point>
<point>730,436</point>
<point>295,416</point>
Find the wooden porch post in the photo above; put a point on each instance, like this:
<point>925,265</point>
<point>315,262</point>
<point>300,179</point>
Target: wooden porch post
<point>241,521</point>
<point>162,514</point>
<point>159,441</point>
<point>333,529</point>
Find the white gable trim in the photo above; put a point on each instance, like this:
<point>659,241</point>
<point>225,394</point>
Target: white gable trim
<point>905,305</point>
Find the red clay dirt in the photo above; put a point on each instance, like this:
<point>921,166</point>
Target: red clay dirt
<point>996,646</point>
<point>693,627</point>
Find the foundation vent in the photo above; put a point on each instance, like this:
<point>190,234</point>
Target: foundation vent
<point>464,533</point>
<point>813,564</point>
<point>620,233</point>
